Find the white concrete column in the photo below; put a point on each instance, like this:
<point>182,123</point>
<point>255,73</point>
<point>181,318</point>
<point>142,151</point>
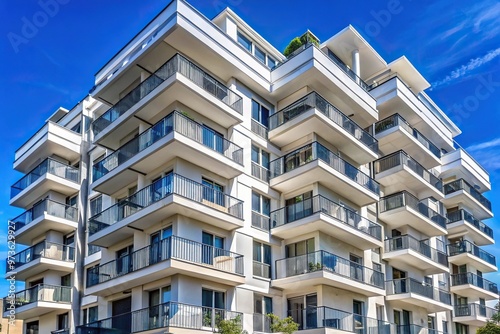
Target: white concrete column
<point>355,62</point>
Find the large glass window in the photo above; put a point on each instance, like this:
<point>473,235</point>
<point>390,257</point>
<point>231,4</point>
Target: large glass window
<point>300,248</point>
<point>213,192</point>
<point>260,55</point>
<point>213,246</point>
<point>261,259</point>
<point>260,157</point>
<point>261,204</point>
<point>260,113</point>
<point>245,41</point>
<point>211,299</point>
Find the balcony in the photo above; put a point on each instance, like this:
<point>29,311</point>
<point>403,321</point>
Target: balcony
<point>405,250</point>
<point>176,135</point>
<point>324,268</point>
<point>313,113</point>
<point>473,286</point>
<point>473,314</point>
<point>395,133</point>
<point>402,208</point>
<point>459,164</point>
<point>260,221</point>
<point>460,191</point>
<point>51,139</point>
<point>415,329</point>
<point>461,222</point>
<point>315,163</point>
<point>332,321</point>
<point>164,316</point>
<point>463,252</point>
<point>398,171</point>
<point>38,300</point>
<point>321,214</point>
<point>170,195</point>
<point>171,256</point>
<point>49,175</point>
<point>408,293</point>
<point>177,79</point>
<point>42,217</point>
<point>40,258</point>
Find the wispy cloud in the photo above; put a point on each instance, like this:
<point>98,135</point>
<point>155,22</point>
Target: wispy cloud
<point>466,69</point>
<point>481,146</point>
<point>487,153</point>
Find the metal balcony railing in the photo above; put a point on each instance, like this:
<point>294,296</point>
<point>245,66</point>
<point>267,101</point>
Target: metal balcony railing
<point>462,214</point>
<point>473,310</point>
<point>322,260</point>
<point>461,184</point>
<point>168,185</point>
<point>316,151</point>
<point>260,221</point>
<point>171,314</point>
<point>401,158</point>
<point>464,246</point>
<point>259,129</point>
<point>47,166</point>
<point>420,246</point>
<point>261,323</point>
<point>170,248</point>
<point>174,122</point>
<point>176,64</point>
<point>315,101</point>
<point>396,120</point>
<point>261,269</point>
<point>320,204</point>
<point>404,198</point>
<point>473,279</point>
<point>48,206</point>
<point>44,249</point>
<point>260,172</point>
<point>414,329</point>
<point>410,285</point>
<point>39,293</point>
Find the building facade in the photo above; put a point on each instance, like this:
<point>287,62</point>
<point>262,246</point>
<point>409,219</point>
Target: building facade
<point>208,177</point>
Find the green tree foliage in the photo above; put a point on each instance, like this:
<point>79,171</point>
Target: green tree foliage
<point>292,46</point>
<point>297,42</point>
<point>230,326</point>
<point>286,325</point>
<point>489,328</point>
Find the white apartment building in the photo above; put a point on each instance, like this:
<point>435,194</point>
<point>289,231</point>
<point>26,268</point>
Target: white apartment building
<point>209,177</point>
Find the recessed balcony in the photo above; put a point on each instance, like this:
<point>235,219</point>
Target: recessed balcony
<point>176,135</point>
<point>169,317</point>
<point>38,300</point>
<point>403,208</point>
<point>42,217</point>
<point>324,268</point>
<point>464,252</point>
<point>406,250</point>
<point>460,191</point>
<point>473,286</point>
<point>461,223</point>
<point>49,175</point>
<point>408,292</point>
<point>51,139</point>
<point>177,79</point>
<point>313,113</point>
<point>170,195</point>
<point>315,163</point>
<point>459,164</point>
<point>39,258</point>
<point>321,214</point>
<point>395,133</point>
<point>398,171</point>
<point>171,256</point>
<point>473,314</point>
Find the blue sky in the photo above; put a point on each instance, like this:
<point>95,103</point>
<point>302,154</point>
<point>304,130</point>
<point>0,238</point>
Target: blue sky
<point>454,43</point>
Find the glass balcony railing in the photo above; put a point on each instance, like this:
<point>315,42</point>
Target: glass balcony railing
<point>48,206</point>
<point>260,221</point>
<point>39,293</point>
<point>176,64</point>
<point>316,151</point>
<point>174,122</point>
<point>171,314</point>
<point>322,260</point>
<point>474,310</point>
<point>171,184</point>
<point>462,214</point>
<point>414,329</point>
<point>44,249</point>
<point>475,280</point>
<point>462,247</point>
<point>320,204</point>
<point>420,246</point>
<point>401,158</point>
<point>315,101</point>
<point>47,166</point>
<point>173,247</point>
<point>410,285</point>
<point>396,120</point>
<point>461,184</point>
<point>404,198</point>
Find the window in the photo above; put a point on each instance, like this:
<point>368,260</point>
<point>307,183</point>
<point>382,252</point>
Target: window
<point>260,113</point>
<point>77,127</point>
<point>72,201</point>
<point>63,321</point>
<point>377,267</point>
<point>124,260</point>
<point>260,157</point>
<point>261,260</point>
<point>300,248</point>
<point>303,310</point>
<point>245,41</point>
<point>68,249</point>
<point>159,307</point>
<point>299,207</point>
<point>213,246</point>
<point>213,192</point>
<point>445,326</point>
<point>431,323</point>
<point>263,305</point>
<point>90,314</point>
<point>260,55</point>
<point>66,280</point>
<point>271,62</point>
<point>461,328</point>
<point>213,139</point>
<point>261,204</point>
<point>95,205</point>
<point>211,299</point>
<point>159,250</point>
<point>32,327</point>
